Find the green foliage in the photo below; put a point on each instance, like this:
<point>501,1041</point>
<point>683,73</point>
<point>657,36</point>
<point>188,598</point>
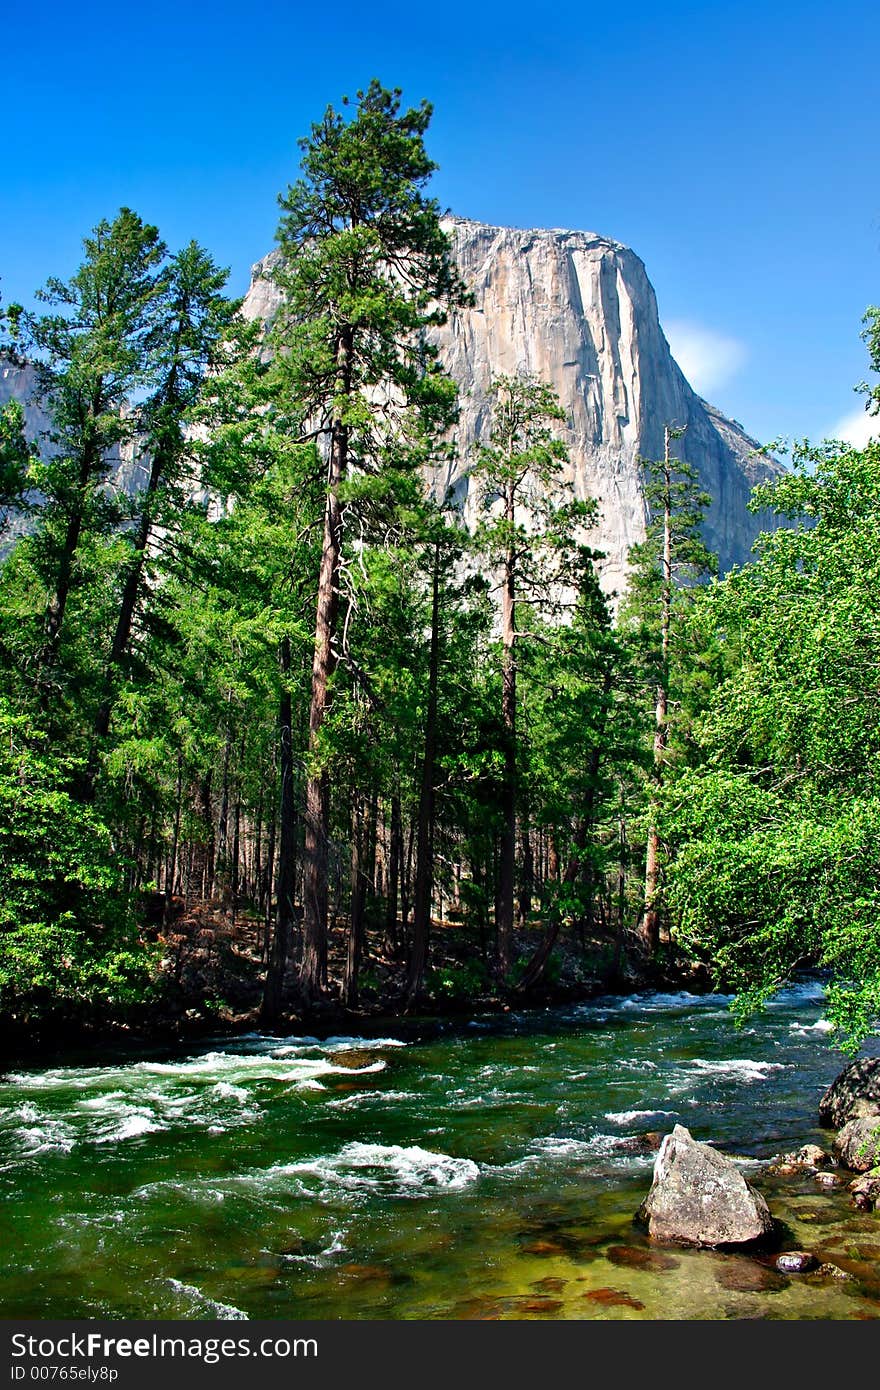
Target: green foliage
<point>776,830</point>
<point>16,458</point>
<point>458,983</point>
<point>364,268</point>
<point>68,941</point>
<point>529,522</point>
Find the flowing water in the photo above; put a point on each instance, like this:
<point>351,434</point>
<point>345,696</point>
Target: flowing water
<point>488,1172</point>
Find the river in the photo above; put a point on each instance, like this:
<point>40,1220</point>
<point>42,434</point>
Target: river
<point>488,1172</point>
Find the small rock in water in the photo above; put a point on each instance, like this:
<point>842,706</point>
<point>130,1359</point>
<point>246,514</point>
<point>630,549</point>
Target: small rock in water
<point>541,1305</point>
<point>366,1272</point>
<point>613,1298</point>
<point>543,1247</point>
<point>478,1309</point>
<point>829,1179</point>
<point>810,1158</point>
<point>866,1191</point>
<point>796,1262</point>
<point>549,1284</point>
<point>354,1060</point>
<point>646,1143</point>
<point>830,1271</point>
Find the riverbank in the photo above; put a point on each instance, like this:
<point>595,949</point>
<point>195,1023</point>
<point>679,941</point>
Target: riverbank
<point>209,983</point>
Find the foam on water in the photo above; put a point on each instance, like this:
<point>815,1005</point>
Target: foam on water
<point>214,1091</point>
<point>409,1171</point>
<point>132,1127</point>
<point>821,1027</point>
<point>199,1305</point>
<point>628,1117</point>
<point>738,1068</point>
<point>358,1168</point>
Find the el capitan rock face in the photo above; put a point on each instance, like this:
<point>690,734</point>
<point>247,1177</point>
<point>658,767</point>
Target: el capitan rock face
<point>578,310</point>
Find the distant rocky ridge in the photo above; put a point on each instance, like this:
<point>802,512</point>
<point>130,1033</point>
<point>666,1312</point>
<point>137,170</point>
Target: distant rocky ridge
<point>579,311</point>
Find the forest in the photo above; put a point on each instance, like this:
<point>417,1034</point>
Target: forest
<point>282,737</point>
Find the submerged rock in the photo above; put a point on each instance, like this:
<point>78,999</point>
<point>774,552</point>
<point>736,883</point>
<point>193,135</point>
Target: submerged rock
<point>808,1159</point>
<point>828,1179</point>
<point>743,1275</point>
<point>859,1081</point>
<point>613,1298</point>
<point>634,1257</point>
<point>857,1146</point>
<point>700,1197</point>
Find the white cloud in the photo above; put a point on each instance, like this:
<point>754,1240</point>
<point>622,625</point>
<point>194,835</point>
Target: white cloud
<point>856,428</point>
<point>708,359</point>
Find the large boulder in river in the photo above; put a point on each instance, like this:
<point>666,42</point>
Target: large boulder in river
<point>860,1081</point>
<point>700,1197</point>
<point>857,1146</point>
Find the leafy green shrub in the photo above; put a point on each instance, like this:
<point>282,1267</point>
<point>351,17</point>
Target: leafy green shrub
<point>68,939</point>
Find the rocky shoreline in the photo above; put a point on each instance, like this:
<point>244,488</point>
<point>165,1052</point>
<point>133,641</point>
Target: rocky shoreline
<point>701,1198</point>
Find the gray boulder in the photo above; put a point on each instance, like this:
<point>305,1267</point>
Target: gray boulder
<point>860,1081</point>
<point>700,1197</point>
<point>857,1146</point>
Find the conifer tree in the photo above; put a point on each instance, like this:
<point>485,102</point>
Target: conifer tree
<point>520,466</point>
<point>364,269</point>
<point>666,565</point>
<point>93,359</point>
<point>190,318</point>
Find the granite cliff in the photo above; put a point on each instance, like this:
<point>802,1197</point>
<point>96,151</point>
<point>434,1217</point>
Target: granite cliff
<point>578,310</point>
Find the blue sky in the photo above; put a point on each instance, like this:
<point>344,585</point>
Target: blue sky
<point>732,146</point>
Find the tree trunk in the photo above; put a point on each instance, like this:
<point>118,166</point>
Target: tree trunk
<point>528,867</point>
<point>313,968</point>
<point>395,850</point>
<point>621,894</point>
<point>286,881</point>
<point>358,899</point>
<point>89,459</point>
<point>650,928</point>
<point>507,847</point>
<point>425,845</point>
<point>129,599</point>
<point>172,867</point>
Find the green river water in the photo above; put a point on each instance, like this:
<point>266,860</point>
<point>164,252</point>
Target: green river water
<point>486,1173</point>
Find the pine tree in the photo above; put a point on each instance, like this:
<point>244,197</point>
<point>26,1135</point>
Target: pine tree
<point>364,269</point>
<point>521,467</point>
<point>666,565</point>
<point>190,319</point>
<point>94,358</point>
